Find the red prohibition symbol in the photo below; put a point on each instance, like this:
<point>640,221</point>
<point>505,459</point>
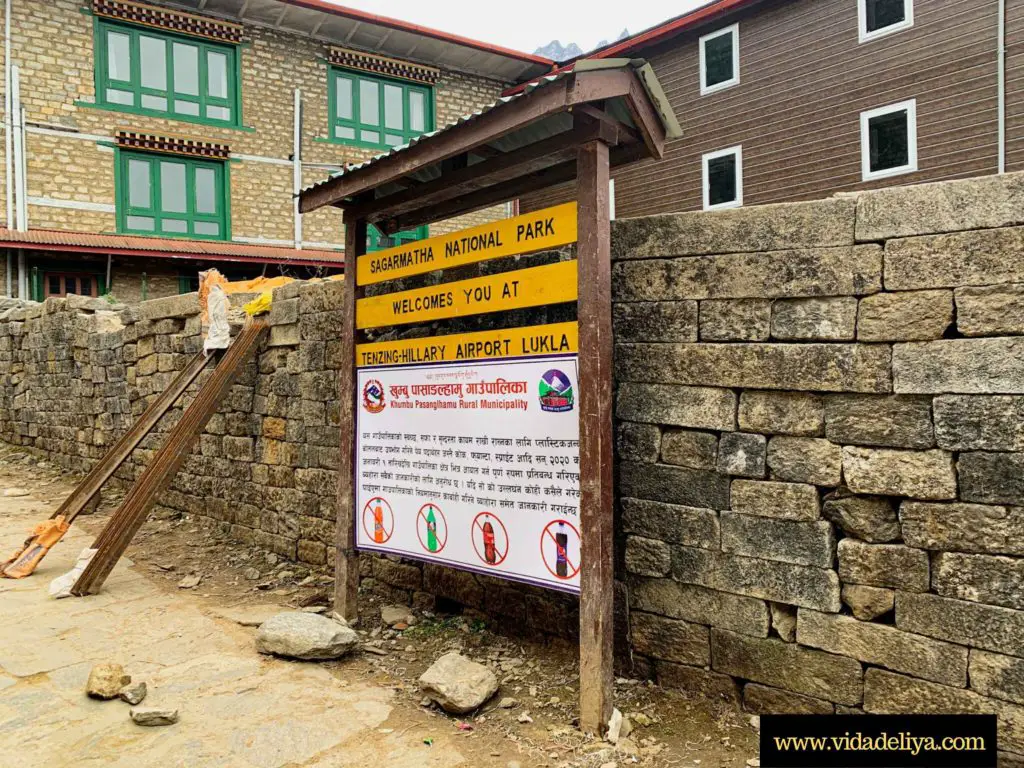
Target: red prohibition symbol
<point>378,520</point>
<point>490,539</point>
<point>432,528</point>
<point>559,542</point>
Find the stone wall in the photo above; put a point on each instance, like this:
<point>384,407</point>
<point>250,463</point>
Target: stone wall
<point>820,421</point>
<point>820,414</point>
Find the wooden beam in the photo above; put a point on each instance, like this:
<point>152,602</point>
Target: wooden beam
<point>346,560</point>
<point>498,193</point>
<point>645,115</point>
<point>626,135</point>
<point>593,250</point>
<point>457,183</point>
<point>543,102</point>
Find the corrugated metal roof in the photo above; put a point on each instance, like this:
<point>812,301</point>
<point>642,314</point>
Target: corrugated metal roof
<point>159,247</point>
<point>542,129</point>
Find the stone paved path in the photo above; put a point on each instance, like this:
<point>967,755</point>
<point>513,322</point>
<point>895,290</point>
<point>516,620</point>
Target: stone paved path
<point>238,709</point>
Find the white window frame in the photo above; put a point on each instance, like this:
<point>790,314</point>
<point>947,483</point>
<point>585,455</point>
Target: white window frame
<point>733,30</point>
<point>862,22</point>
<point>705,161</point>
<point>865,140</point>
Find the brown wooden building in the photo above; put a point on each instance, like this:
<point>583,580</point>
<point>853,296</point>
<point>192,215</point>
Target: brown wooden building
<point>784,100</point>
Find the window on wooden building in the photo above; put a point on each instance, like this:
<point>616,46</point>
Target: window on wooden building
<point>723,179</point>
<point>374,112</point>
<point>172,196</point>
<point>883,17</point>
<point>144,70</point>
<point>888,138</point>
<point>720,59</point>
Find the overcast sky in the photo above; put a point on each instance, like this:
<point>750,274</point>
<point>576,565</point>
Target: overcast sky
<point>527,24</point>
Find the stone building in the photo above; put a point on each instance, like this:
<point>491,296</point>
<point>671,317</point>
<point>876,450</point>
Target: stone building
<point>159,140</point>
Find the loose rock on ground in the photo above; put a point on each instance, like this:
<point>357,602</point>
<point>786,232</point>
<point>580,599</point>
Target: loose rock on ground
<point>457,684</point>
<point>306,636</point>
<point>106,681</point>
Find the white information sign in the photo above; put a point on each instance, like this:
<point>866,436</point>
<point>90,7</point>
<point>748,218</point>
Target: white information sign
<point>473,466</point>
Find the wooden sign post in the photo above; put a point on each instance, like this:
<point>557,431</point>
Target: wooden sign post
<point>565,128</point>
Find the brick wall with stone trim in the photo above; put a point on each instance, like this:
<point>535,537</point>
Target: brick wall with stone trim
<point>52,41</point>
<point>820,415</point>
<point>820,421</point>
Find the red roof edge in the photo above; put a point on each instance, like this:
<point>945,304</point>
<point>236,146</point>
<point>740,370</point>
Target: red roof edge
<point>406,26</point>
<point>648,36</point>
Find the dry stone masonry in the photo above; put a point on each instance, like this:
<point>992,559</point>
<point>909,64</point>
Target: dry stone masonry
<point>821,417</point>
<point>820,423</point>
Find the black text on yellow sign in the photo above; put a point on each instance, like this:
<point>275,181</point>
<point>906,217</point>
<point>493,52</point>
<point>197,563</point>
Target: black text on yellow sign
<point>549,228</point>
<point>550,284</point>
<point>531,341</point>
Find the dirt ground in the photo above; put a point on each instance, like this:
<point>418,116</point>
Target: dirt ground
<point>193,646</point>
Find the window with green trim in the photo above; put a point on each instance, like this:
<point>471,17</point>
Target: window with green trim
<point>172,196</point>
<point>144,70</point>
<point>378,241</point>
<point>376,112</point>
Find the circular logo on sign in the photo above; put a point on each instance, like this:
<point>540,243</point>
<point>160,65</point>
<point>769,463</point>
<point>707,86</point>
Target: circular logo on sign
<point>378,520</point>
<point>432,528</point>
<point>560,549</point>
<point>555,392</point>
<point>373,396</point>
<point>490,539</point>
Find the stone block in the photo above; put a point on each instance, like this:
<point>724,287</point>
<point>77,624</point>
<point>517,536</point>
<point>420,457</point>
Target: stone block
<point>284,336</point>
<point>700,605</point>
<point>674,485</point>
<point>782,413</point>
<point>980,422</point>
<point>989,579</point>
<point>694,565</point>
<point>284,312</point>
<point>883,565</point>
<point>888,421</point>
<point>760,228</point>
<point>670,639</point>
<point>183,305</point>
<point>960,621</point>
<point>817,319</point>
<point>805,460</point>
<point>801,543</point>
<point>868,518</point>
<point>992,478</point>
<point>978,257</point>
<point>735,319</point>
<point>684,448</point>
<point>889,472</point>
<point>639,442</point>
<point>886,693</point>
<point>994,310</point>
<point>676,524</point>
<point>808,367</point>
<point>998,676</point>
<point>945,206</point>
<point>783,621</point>
<point>655,321</point>
<point>868,603</point>
<point>805,586</point>
<point>711,685</point>
<point>785,501</point>
<point>958,527</point>
<point>647,557</point>
<point>905,316</point>
<point>787,666</point>
<point>696,407</point>
<point>884,646</point>
<point>741,454</point>
<point>763,700</point>
<point>845,271</point>
<point>965,366</point>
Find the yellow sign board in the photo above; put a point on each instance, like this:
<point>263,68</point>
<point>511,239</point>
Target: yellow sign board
<point>550,284</point>
<point>531,341</point>
<point>548,228</point>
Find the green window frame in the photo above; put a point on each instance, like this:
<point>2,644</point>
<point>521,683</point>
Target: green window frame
<point>152,72</point>
<point>377,112</point>
<point>378,241</point>
<point>172,196</point>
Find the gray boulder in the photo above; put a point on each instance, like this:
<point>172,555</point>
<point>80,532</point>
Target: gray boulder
<point>457,684</point>
<point>309,636</point>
